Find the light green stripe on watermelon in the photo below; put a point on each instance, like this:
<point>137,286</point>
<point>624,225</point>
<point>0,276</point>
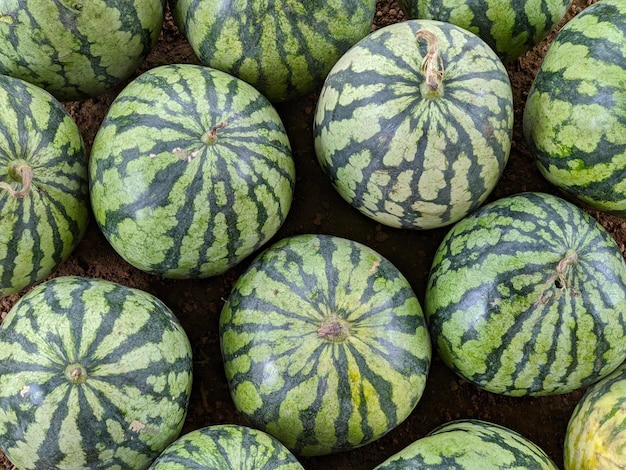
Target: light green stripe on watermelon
<point>42,220</point>
<point>92,374</point>
<point>226,446</point>
<point>324,344</point>
<point>527,296</point>
<point>575,116</point>
<point>191,171</point>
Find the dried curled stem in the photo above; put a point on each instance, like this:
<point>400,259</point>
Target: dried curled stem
<point>26,174</point>
<point>432,64</point>
<point>211,135</point>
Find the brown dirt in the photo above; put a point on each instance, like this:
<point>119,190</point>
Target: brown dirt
<point>318,209</point>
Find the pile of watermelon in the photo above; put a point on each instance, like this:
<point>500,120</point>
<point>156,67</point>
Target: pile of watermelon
<point>304,243</point>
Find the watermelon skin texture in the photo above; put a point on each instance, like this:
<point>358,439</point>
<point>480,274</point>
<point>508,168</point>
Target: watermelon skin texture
<point>75,49</point>
<point>42,219</point>
<point>596,432</point>
<point>93,375</point>
<point>527,296</point>
<point>399,156</point>
<point>174,201</point>
<point>325,345</point>
<point>510,27</point>
<point>283,48</point>
<point>575,115</point>
<point>226,446</point>
<point>470,444</point>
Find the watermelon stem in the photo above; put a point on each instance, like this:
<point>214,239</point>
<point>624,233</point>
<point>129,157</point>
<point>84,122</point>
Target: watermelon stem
<point>210,137</point>
<point>76,373</point>
<point>334,329</point>
<point>19,172</point>
<point>432,66</point>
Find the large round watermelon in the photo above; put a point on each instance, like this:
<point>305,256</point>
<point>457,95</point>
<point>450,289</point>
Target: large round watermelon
<point>226,446</point>
<point>527,296</point>
<point>596,433</point>
<point>325,345</point>
<point>43,185</point>
<point>92,375</point>
<point>191,171</point>
<point>284,48</point>
<point>510,27</point>
<point>413,125</point>
<point>77,49</point>
<point>470,444</point>
<point>575,114</point>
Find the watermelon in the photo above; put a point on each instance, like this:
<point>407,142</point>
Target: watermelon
<point>226,446</point>
<point>325,345</point>
<point>413,125</point>
<point>527,296</point>
<point>93,374</point>
<point>190,172</point>
<point>596,432</point>
<point>77,49</point>
<point>575,115</point>
<point>510,27</point>
<point>470,444</point>
<point>43,185</point>
<point>285,49</point>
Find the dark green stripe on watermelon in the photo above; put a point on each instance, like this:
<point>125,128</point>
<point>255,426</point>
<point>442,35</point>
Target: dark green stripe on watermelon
<point>128,402</point>
<point>527,296</point>
<point>42,221</point>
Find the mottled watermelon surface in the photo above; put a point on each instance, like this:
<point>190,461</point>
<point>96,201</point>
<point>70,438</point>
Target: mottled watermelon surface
<point>43,185</point>
<point>93,374</point>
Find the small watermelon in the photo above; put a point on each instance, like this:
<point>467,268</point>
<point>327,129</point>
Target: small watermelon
<point>92,375</point>
<point>575,114</point>
<point>510,27</point>
<point>527,296</point>
<point>284,48</point>
<point>44,201</point>
<point>325,345</point>
<point>226,446</point>
<point>414,124</point>
<point>596,433</point>
<point>470,444</point>
<point>191,171</point>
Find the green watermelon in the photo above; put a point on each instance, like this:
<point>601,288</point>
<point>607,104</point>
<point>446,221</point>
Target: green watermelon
<point>575,114</point>
<point>77,49</point>
<point>43,185</point>
<point>470,444</point>
<point>284,48</point>
<point>596,433</point>
<point>527,296</point>
<point>92,375</point>
<point>190,172</point>
<point>325,345</point>
<point>226,446</point>
<point>413,125</point>
<point>510,27</point>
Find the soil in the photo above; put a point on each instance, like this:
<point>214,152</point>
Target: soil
<point>318,209</point>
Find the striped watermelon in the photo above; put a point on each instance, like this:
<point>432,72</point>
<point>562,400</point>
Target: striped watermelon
<point>77,49</point>
<point>43,185</point>
<point>92,375</point>
<point>596,433</point>
<point>510,27</point>
<point>527,296</point>
<point>226,446</point>
<point>575,114</point>
<point>285,49</point>
<point>470,444</point>
<point>191,171</point>
<point>413,125</point>
<point>325,345</point>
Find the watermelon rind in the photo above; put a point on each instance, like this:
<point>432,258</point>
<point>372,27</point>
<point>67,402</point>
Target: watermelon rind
<point>325,344</point>
<point>226,446</point>
<point>44,201</point>
<point>527,296</point>
<point>93,374</point>
<point>190,172</point>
